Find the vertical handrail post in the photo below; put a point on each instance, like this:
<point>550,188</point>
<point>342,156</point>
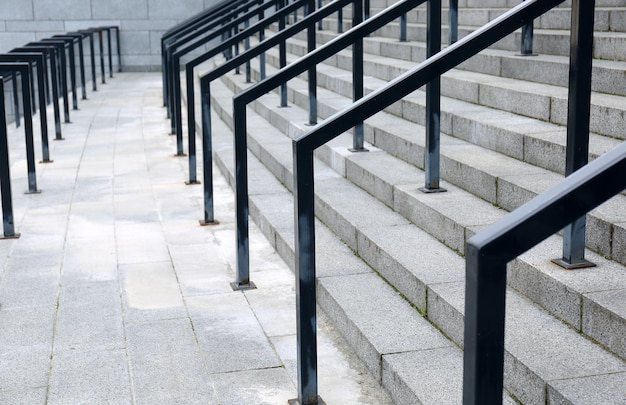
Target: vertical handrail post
<point>485,296</point>
<point>312,72</point>
<point>101,43</point>
<point>526,40</point>
<point>8,226</point>
<point>402,28</point>
<point>243,281</point>
<point>282,56</point>
<point>55,94</point>
<point>92,49</point>
<point>108,29</point>
<point>28,128</point>
<point>304,225</point>
<point>246,44</point>
<point>261,38</point>
<point>207,154</point>
<point>191,129</point>
<point>340,21</point>
<point>357,75</point>
<point>366,9</point>
<point>433,102</point>
<point>16,99</point>
<point>579,100</point>
<point>453,21</point>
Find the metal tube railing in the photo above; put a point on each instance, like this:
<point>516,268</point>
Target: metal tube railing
<point>175,55</point>
<point>205,81</point>
<point>37,60</point>
<point>78,38</point>
<point>8,226</point>
<point>48,51</point>
<point>23,68</point>
<point>577,147</point>
<point>61,71</point>
<point>304,146</point>
<point>347,39</point>
<point>305,290</point>
<point>184,28</point>
<point>71,63</point>
<point>488,252</point>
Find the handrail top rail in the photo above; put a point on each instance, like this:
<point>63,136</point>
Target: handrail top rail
<point>225,23</point>
<point>327,50</point>
<point>510,237</point>
<point>207,13</point>
<point>421,74</point>
<point>243,18</point>
<point>267,43</point>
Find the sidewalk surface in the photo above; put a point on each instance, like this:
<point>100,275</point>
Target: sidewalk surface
<point>114,294</point>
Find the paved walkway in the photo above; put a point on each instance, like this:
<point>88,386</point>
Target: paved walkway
<point>114,294</point>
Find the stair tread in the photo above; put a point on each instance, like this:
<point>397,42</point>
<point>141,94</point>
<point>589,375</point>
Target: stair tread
<point>612,364</point>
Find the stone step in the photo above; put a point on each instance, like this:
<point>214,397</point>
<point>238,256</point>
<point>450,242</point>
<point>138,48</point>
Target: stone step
<point>533,374</point>
<point>610,18</point>
<point>545,100</point>
<point>469,165</point>
<point>447,220</point>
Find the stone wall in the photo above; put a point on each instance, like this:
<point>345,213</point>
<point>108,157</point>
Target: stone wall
<point>142,23</point>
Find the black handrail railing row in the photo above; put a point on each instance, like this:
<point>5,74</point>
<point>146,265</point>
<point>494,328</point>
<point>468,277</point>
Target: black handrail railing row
<point>278,39</point>
<point>36,64</point>
<point>226,27</point>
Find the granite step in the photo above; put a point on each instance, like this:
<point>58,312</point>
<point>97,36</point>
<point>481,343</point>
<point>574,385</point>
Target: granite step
<point>380,233</point>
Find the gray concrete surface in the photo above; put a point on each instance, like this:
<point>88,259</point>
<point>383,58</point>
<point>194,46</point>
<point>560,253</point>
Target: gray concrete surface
<point>114,293</point>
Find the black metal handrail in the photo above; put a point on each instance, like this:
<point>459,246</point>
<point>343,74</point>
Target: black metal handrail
<point>488,252</point>
<point>184,28</point>
<point>305,280</point>
<point>37,60</point>
<point>226,27</point>
<point>205,82</point>
<point>8,226</point>
<point>211,28</point>
<point>304,146</point>
<point>23,68</point>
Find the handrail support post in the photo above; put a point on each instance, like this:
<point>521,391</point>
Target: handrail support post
<point>579,100</point>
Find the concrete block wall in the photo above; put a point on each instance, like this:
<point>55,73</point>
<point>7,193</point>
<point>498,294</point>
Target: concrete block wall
<point>142,23</point>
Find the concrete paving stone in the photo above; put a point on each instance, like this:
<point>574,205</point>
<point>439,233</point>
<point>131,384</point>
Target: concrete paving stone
<point>409,259</point>
<point>229,334</point>
<point>26,396</point>
<point>150,291</point>
<point>576,391</point>
<point>369,320</point>
<point>28,290</point>
<point>273,302</point>
<point>149,248</point>
<point>357,387</point>
<point>24,369</point>
<point>89,377</point>
<point>603,319</point>
<point>200,269</point>
<point>262,386</point>
<point>166,363</point>
<point>80,330</point>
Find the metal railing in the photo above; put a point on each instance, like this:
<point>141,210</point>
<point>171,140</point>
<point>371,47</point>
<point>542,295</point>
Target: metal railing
<point>182,30</point>
<point>226,28</point>
<point>24,68</point>
<point>36,64</point>
<point>304,145</point>
<point>8,226</point>
<point>205,82</point>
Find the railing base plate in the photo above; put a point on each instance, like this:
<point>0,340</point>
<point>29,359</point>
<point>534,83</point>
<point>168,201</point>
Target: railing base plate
<point>584,264</point>
<point>46,161</point>
<point>358,150</point>
<point>208,223</point>
<point>432,190</point>
<point>33,192</point>
<point>14,236</point>
<point>191,183</point>
<point>296,401</point>
<point>180,155</point>
<point>242,287</point>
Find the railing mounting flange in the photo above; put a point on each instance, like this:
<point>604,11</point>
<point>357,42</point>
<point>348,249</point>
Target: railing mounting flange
<point>583,264</point>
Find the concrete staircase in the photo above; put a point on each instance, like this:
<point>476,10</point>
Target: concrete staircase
<point>390,259</point>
